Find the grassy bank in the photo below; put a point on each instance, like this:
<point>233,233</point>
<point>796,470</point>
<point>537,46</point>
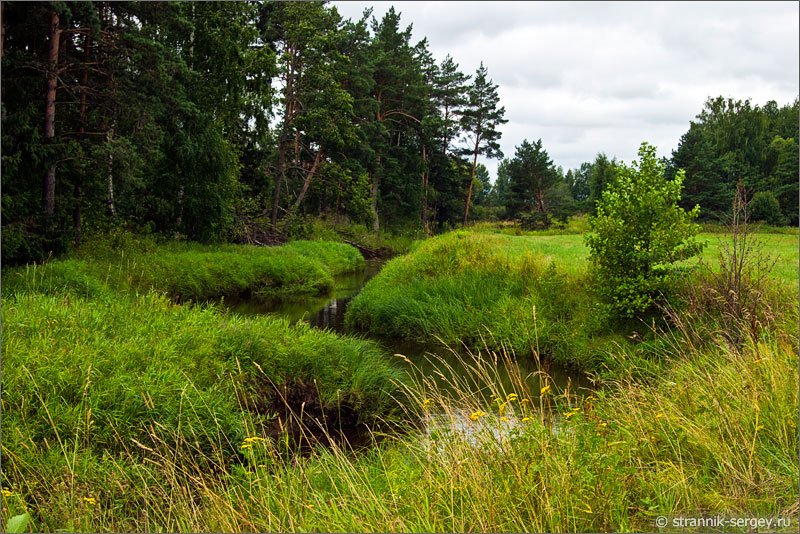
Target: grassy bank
<point>91,386</point>
<point>126,264</point>
<point>483,289</point>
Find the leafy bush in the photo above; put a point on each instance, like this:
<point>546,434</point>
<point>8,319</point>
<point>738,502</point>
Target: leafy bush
<point>765,207</point>
<point>639,231</point>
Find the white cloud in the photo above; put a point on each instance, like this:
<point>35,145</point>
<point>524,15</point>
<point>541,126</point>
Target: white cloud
<point>589,77</point>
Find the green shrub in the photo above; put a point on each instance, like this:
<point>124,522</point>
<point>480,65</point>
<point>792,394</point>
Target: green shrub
<point>639,231</point>
<point>765,207</point>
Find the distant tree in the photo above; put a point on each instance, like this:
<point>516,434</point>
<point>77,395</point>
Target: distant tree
<point>601,177</point>
<point>479,122</point>
<point>483,185</point>
<point>766,208</point>
<point>531,176</point>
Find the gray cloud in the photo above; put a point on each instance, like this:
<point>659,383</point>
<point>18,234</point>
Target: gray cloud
<point>589,77</point>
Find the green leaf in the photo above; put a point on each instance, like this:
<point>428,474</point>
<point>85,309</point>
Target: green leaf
<point>18,523</point>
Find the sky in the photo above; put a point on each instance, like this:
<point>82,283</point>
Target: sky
<point>590,77</point>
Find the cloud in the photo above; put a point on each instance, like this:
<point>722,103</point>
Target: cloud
<point>589,77</point>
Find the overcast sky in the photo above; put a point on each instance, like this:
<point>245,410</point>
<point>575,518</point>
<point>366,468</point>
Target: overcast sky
<point>589,77</point>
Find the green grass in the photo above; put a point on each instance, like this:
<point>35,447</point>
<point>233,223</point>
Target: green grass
<point>475,289</point>
<point>184,271</point>
<point>130,412</point>
<point>92,384</point>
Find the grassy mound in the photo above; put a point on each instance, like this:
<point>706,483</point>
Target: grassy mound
<point>482,290</point>
<point>110,378</point>
<point>122,263</point>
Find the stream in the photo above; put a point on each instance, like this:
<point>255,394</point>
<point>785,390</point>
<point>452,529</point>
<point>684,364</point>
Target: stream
<point>440,366</point>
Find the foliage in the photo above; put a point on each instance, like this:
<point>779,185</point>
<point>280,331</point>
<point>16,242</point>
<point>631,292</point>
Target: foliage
<point>733,141</point>
<point>765,207</point>
<point>638,233</point>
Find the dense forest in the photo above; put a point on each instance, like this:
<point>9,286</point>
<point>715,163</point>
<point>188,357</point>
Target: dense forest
<point>217,120</point>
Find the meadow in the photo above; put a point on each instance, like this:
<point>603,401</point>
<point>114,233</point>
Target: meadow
<point>127,408</point>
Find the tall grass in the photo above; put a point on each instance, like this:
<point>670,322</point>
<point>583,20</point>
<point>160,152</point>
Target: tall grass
<point>715,434</point>
<point>184,271</point>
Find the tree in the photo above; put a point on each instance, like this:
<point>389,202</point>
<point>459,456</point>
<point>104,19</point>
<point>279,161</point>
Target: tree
<point>765,207</point>
<point>601,177</point>
<point>480,120</point>
<point>638,233</point>
<point>531,175</point>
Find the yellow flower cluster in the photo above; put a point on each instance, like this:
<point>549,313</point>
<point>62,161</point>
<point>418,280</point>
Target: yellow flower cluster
<point>427,403</point>
<point>90,501</point>
<point>7,493</point>
<point>545,390</point>
<point>477,415</point>
<point>248,442</point>
<point>567,415</point>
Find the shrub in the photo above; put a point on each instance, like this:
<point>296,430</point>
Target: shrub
<point>765,207</point>
<point>639,231</point>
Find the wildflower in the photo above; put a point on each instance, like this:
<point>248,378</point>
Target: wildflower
<point>504,418</point>
<point>524,400</point>
<point>659,416</point>
<point>567,415</point>
<point>545,390</point>
<point>246,445</point>
<point>512,397</point>
<point>590,398</point>
<point>309,506</point>
<point>427,403</point>
<point>90,500</point>
<point>263,466</point>
<point>526,419</point>
<point>604,424</point>
<point>477,415</point>
<point>7,493</point>
<point>253,439</point>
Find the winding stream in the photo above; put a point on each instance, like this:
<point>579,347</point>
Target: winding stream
<point>442,367</point>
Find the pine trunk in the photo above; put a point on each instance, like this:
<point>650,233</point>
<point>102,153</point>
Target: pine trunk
<point>49,195</point>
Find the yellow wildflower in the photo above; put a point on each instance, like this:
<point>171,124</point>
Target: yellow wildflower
<point>477,415</point>
<point>526,419</point>
<point>524,400</point>
<point>659,416</point>
<point>7,493</point>
<point>504,418</point>
<point>253,439</point>
<point>246,445</point>
<point>512,397</point>
<point>567,415</point>
<point>603,424</point>
<point>545,390</point>
<point>90,500</point>
<point>427,403</point>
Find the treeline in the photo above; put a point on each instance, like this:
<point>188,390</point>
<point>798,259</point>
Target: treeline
<point>208,119</point>
<point>731,141</point>
<point>218,120</point>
